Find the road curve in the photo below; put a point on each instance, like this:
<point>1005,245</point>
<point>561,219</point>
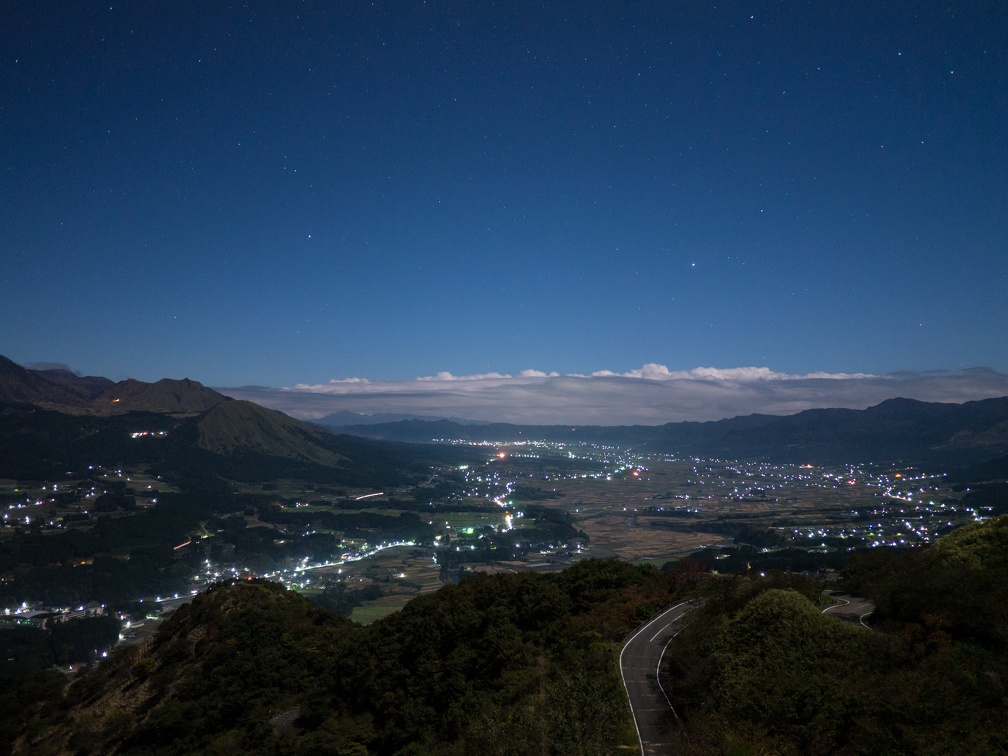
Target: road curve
<point>851,608</point>
<point>639,661</point>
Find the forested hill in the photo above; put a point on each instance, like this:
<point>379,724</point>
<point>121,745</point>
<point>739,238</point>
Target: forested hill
<point>497,664</point>
<point>765,671</point>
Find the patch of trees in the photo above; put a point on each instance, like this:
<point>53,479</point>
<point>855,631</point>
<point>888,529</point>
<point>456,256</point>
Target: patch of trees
<point>548,529</point>
<point>110,502</point>
<point>344,600</point>
<point>993,495</point>
<point>403,526</point>
<point>30,649</point>
<point>116,560</point>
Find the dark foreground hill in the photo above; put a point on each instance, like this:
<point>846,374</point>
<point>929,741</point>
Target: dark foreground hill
<point>527,663</point>
<point>896,430</point>
<point>519,663</point>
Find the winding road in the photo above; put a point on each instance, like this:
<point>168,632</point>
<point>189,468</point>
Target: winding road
<point>850,608</point>
<point>641,657</point>
<point>639,661</point>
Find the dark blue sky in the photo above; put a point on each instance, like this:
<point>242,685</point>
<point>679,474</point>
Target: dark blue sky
<point>281,193</point>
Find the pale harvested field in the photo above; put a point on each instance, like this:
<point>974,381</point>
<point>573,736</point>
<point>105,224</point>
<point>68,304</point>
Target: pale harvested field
<point>629,537</point>
<point>398,567</point>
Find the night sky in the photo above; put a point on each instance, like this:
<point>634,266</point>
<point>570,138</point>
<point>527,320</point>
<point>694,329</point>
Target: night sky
<point>292,193</point>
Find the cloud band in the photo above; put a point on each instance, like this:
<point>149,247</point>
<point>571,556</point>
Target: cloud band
<point>650,395</point>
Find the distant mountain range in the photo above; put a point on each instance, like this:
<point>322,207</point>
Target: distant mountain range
<point>896,430</point>
<point>344,418</point>
<point>254,441</point>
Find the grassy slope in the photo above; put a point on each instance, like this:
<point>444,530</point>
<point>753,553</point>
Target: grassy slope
<point>243,426</point>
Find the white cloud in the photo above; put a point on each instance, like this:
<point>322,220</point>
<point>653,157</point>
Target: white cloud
<point>333,383</point>
<point>444,375</point>
<point>651,394</point>
<point>652,371</point>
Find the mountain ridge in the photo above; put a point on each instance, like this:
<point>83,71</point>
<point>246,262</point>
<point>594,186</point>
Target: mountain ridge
<point>166,396</point>
<point>895,429</point>
<point>21,386</point>
<point>88,386</point>
<point>204,439</point>
<point>64,391</point>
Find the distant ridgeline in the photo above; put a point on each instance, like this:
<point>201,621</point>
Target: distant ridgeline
<point>901,430</point>
<point>249,436</point>
<point>525,663</point>
<point>67,392</point>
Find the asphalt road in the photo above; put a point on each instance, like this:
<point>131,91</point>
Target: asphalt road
<point>851,608</point>
<point>653,714</point>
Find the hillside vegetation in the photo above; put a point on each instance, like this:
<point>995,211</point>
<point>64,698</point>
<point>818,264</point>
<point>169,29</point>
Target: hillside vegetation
<point>527,663</point>
<point>762,670</point>
<point>239,426</point>
<point>510,664</point>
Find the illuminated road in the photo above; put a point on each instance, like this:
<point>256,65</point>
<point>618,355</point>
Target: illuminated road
<point>639,661</point>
